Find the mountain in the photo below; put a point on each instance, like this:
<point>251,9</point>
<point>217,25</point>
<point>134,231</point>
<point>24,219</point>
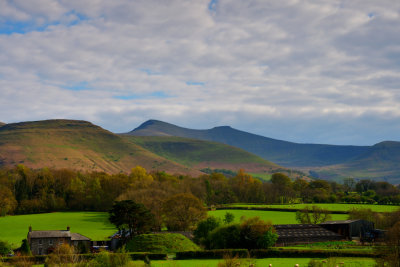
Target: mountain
<point>380,161</point>
<point>78,145</point>
<point>280,152</point>
<point>2,123</point>
<point>200,154</point>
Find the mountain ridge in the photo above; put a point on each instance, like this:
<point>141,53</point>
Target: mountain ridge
<point>77,145</point>
<point>82,145</point>
<point>281,152</point>
<point>335,162</point>
<point>201,154</point>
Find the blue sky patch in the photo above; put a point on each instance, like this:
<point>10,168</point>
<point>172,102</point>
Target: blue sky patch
<point>195,83</point>
<point>21,27</point>
<point>158,94</point>
<point>371,15</point>
<point>212,6</point>
<point>77,86</point>
<point>150,72</point>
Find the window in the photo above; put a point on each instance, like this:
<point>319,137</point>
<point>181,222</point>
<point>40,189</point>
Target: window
<point>51,242</point>
<point>40,241</point>
<point>40,251</point>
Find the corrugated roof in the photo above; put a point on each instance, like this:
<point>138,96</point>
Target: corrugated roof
<point>340,222</point>
<point>303,231</point>
<point>79,237</point>
<point>49,234</point>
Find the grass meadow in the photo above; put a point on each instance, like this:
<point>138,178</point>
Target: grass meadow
<point>94,225</point>
<point>276,217</point>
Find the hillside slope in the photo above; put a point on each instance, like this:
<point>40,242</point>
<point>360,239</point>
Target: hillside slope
<point>78,145</point>
<point>2,123</point>
<point>280,152</point>
<point>381,161</point>
<point>201,154</point>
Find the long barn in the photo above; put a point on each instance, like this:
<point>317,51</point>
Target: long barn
<point>289,234</point>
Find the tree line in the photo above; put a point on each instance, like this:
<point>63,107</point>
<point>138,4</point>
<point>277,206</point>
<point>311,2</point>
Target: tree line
<point>24,190</point>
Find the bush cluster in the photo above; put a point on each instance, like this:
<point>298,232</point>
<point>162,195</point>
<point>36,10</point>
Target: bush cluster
<point>251,233</point>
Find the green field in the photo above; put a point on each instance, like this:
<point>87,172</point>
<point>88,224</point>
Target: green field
<point>94,225</point>
<point>276,217</point>
<point>279,262</point>
<point>328,206</point>
<point>262,176</point>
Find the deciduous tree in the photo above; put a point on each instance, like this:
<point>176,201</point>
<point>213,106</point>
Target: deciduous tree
<point>183,211</point>
<point>131,218</point>
<point>313,215</point>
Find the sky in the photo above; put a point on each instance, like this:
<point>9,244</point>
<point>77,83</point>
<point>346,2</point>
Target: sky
<point>303,71</point>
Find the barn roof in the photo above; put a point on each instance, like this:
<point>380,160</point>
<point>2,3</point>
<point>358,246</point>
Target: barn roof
<point>341,222</point>
<point>304,231</point>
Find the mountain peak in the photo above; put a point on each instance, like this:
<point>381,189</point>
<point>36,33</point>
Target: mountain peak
<point>225,127</point>
<point>149,123</point>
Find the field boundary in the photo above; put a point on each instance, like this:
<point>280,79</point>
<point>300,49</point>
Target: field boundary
<point>272,253</point>
<point>273,209</point>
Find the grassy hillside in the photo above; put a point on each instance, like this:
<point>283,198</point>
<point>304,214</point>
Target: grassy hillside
<point>281,152</point>
<point>161,243</point>
<point>381,162</point>
<point>2,123</point>
<point>201,154</point>
<point>75,144</point>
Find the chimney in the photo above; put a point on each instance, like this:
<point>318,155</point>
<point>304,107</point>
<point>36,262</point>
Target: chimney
<point>30,228</point>
<point>68,228</point>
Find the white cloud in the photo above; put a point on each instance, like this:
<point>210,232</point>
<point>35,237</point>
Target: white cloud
<point>297,70</point>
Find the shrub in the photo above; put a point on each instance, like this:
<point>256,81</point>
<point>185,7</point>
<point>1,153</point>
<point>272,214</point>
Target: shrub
<point>235,261</point>
<point>25,248</point>
<point>256,233</point>
<point>204,228</point>
<point>227,236</point>
<point>229,217</point>
<point>5,248</point>
<point>268,239</point>
<point>62,254</point>
<point>252,233</point>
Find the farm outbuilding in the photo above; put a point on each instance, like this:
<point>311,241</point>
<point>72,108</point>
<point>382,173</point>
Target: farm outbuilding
<point>349,228</point>
<point>289,234</point>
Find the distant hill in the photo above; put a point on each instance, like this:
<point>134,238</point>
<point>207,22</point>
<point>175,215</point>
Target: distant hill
<point>280,152</point>
<point>78,145</point>
<point>200,154</point>
<point>380,161</point>
<point>2,123</point>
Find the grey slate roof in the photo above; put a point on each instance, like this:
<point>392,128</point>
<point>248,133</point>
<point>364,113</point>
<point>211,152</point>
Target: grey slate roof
<point>49,234</point>
<point>58,234</point>
<point>79,237</point>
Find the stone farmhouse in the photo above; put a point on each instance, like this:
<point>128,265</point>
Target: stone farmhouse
<point>44,242</point>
